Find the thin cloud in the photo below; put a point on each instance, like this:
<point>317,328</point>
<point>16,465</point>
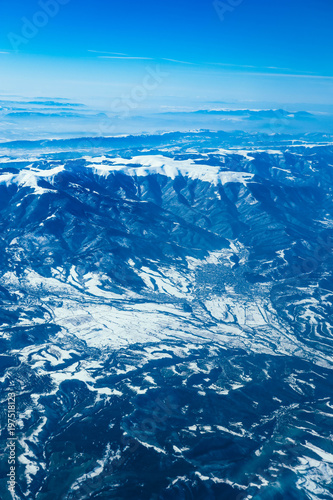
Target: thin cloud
<point>234,65</point>
<point>120,55</point>
<point>295,75</point>
<point>111,53</point>
<point>281,69</point>
<point>125,57</point>
<point>176,61</point>
<point>249,66</point>
<point>260,68</point>
<point>276,67</point>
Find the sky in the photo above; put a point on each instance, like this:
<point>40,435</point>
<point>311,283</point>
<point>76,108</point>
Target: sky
<point>174,53</point>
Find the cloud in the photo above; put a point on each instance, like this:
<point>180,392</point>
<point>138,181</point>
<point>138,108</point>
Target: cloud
<point>233,65</point>
<point>275,67</point>
<point>259,71</point>
<point>111,53</point>
<point>176,61</point>
<point>251,66</point>
<point>264,73</point>
<point>293,75</point>
<point>125,57</point>
<point>120,55</point>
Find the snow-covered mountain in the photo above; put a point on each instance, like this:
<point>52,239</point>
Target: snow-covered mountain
<point>166,309</point>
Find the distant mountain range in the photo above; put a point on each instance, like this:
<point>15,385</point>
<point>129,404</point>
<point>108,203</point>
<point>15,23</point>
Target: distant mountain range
<point>37,118</point>
<point>254,113</point>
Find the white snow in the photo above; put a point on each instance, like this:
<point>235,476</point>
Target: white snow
<point>157,164</point>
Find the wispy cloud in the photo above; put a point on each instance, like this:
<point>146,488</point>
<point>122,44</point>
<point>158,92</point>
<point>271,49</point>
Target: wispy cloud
<point>110,53</point>
<point>119,55</point>
<point>176,61</point>
<point>285,75</point>
<point>232,65</point>
<point>258,70</point>
<point>294,75</point>
<point>247,66</point>
<point>4,52</point>
<point>125,57</point>
<point>275,67</point>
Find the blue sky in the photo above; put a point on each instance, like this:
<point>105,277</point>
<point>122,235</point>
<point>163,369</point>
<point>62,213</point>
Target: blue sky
<point>257,50</point>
